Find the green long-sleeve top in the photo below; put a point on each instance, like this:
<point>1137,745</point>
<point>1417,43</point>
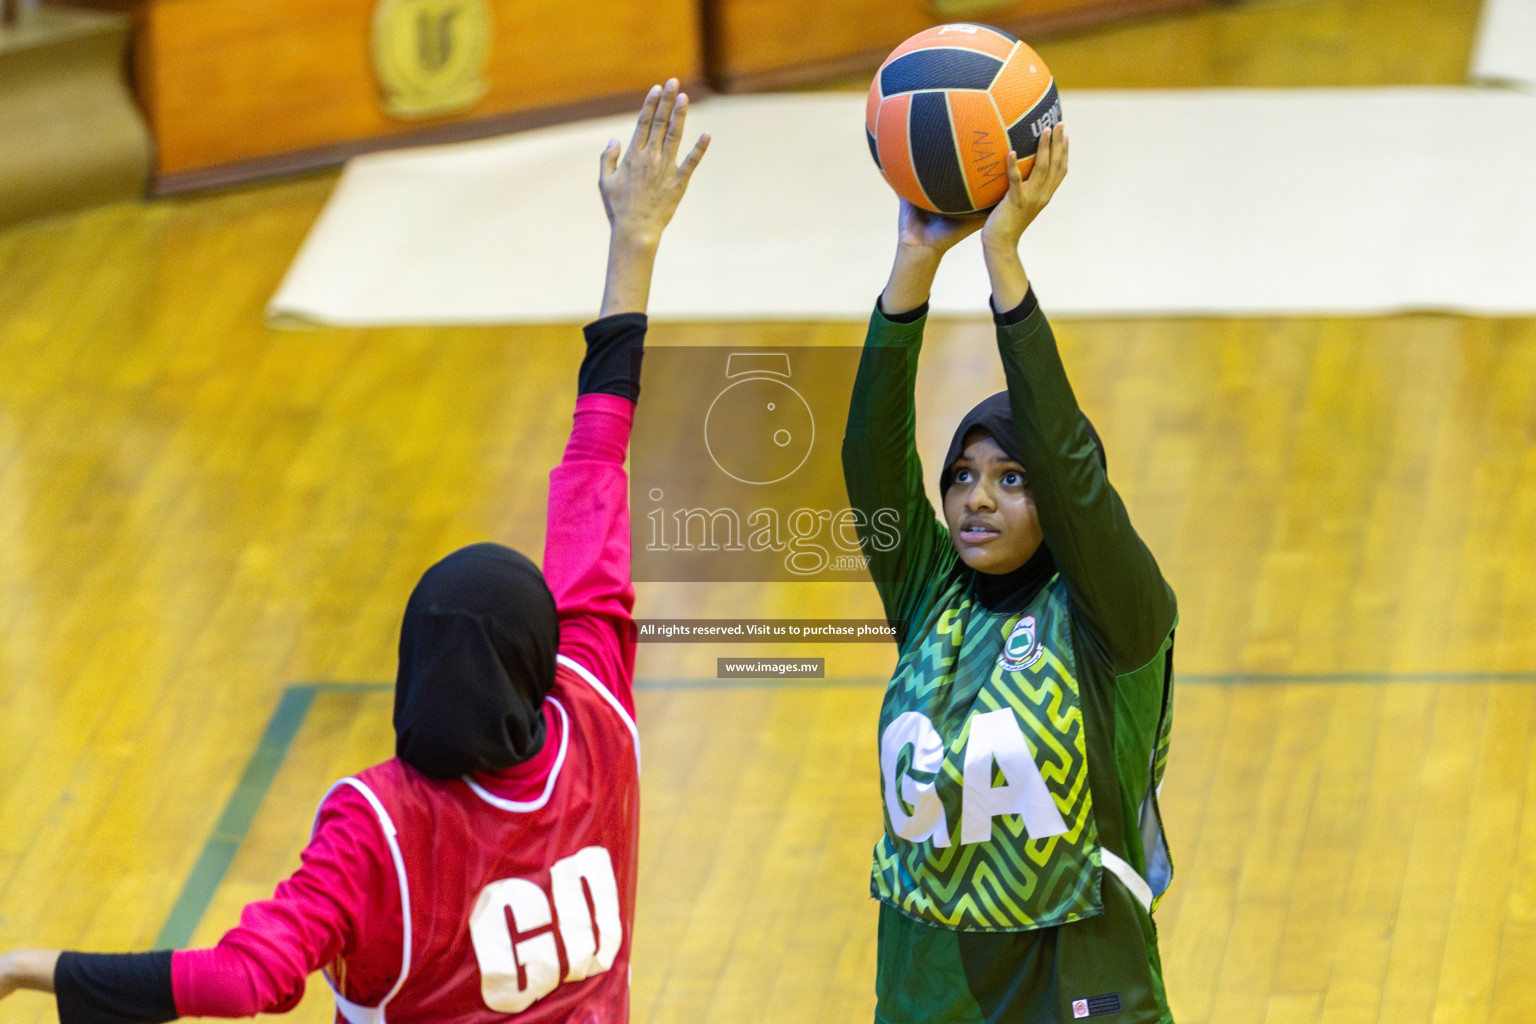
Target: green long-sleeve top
<point>1020,749</point>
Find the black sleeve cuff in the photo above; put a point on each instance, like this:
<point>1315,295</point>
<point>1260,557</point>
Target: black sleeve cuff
<point>911,316</point>
<point>615,346</point>
<point>114,988</point>
<point>1019,313</point>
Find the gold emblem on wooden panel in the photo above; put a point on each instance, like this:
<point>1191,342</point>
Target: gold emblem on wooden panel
<point>430,56</point>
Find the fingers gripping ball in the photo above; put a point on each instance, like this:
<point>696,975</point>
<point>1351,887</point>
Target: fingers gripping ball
<point>947,106</point>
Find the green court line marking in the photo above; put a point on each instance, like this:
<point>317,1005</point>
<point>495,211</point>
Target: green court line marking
<point>294,706</point>
<point>235,822</point>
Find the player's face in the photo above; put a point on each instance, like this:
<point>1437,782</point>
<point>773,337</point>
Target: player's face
<point>989,509</point>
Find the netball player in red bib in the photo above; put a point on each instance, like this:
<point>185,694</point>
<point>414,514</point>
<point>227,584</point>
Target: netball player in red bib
<point>487,871</point>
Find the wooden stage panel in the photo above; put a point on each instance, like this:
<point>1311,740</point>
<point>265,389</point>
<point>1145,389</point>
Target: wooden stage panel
<point>756,44</point>
<point>234,88</point>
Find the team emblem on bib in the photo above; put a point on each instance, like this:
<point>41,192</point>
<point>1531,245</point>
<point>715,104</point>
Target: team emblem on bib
<point>1022,649</point>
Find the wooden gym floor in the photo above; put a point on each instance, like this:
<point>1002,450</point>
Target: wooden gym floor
<point>208,530</point>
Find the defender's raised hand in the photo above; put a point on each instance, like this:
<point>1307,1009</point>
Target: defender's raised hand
<point>642,188</point>
<point>641,191</point>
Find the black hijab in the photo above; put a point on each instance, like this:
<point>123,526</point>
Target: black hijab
<point>1009,591</point>
<point>477,657</point>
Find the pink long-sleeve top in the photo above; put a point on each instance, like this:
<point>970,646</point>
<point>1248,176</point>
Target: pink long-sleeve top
<point>345,887</point>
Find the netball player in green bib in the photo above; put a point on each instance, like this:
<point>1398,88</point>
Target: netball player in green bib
<point>1024,730</point>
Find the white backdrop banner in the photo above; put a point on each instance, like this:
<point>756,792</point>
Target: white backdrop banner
<point>1193,202</point>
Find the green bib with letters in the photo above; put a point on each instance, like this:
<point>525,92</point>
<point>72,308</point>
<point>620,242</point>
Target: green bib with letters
<point>989,820</point>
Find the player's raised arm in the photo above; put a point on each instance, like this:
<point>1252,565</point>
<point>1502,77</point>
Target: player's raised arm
<point>586,548</point>
<point>1025,199</point>
<point>881,468</point>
